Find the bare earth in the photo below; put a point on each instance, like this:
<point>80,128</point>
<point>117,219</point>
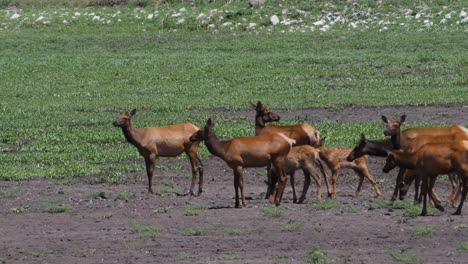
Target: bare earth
<point>103,229</point>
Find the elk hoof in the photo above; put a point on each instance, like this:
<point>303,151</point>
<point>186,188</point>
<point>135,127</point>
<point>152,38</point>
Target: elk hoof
<point>200,192</point>
<point>439,207</point>
<point>295,200</point>
<point>300,201</point>
<point>457,213</point>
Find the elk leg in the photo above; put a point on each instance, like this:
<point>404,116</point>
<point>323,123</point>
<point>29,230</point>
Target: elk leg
<point>432,194</point>
<point>464,192</point>
<point>311,173</point>
<point>398,181</point>
<point>236,185</point>
<point>293,187</point>
<point>372,181</point>
<point>325,175</point>
<point>149,162</point>
<point>282,179</point>
<point>269,182</point>
<point>424,194</point>
<point>197,166</point>
<point>334,179</point>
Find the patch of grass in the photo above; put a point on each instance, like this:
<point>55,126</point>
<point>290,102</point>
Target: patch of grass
<point>146,231</point>
<point>292,226</point>
<point>409,208</point>
<point>19,210</point>
<point>229,256</point>
<point>7,194</point>
<point>403,256</point>
<point>280,257</point>
<point>461,226</point>
<point>216,223</point>
<point>272,211</point>
<point>423,230</point>
<point>194,209</point>
<point>167,192</point>
<point>70,181</point>
<point>195,232</point>
<point>57,209</point>
<point>112,178</point>
<point>324,204</point>
<point>186,256</point>
<point>125,196</point>
<point>238,232</point>
<point>167,183</point>
<point>317,256</point>
<point>463,246</point>
<point>97,195</point>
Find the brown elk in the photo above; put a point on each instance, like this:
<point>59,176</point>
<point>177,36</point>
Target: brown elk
<point>431,160</point>
<point>336,158</point>
<point>305,158</point>
<point>303,134</point>
<point>163,141</point>
<point>412,139</point>
<point>248,152</point>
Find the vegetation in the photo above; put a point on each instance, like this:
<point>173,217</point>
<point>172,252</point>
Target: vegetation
<point>69,69</point>
<point>194,209</point>
<point>145,231</point>
<point>324,204</point>
<point>272,211</point>
<point>238,232</point>
<point>464,246</point>
<point>409,208</point>
<point>317,256</point>
<point>402,256</point>
<point>293,226</point>
<point>423,230</point>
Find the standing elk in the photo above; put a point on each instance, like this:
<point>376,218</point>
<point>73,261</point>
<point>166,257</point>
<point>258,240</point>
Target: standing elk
<point>410,140</point>
<point>337,158</point>
<point>163,141</point>
<point>303,134</point>
<point>248,152</point>
<point>305,158</point>
<point>431,160</point>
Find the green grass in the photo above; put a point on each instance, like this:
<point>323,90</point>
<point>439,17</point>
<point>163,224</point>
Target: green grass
<point>317,256</point>
<point>19,210</point>
<point>146,231</point>
<point>238,232</point>
<point>186,256</point>
<point>195,232</point>
<point>292,226</point>
<point>423,230</point>
<point>65,80</point>
<point>229,256</point>
<point>194,209</point>
<point>57,209</point>
<point>272,211</point>
<point>97,195</point>
<point>325,204</point>
<point>463,246</point>
<point>402,256</point>
<point>125,196</point>
<point>409,208</point>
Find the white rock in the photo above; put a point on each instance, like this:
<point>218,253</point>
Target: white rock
<point>77,14</point>
<point>463,13</point>
<point>274,20</point>
<point>182,9</point>
<point>150,16</point>
<point>15,16</point>
<point>352,25</point>
<point>96,18</point>
<point>319,23</point>
<point>465,20</point>
<point>201,16</point>
<point>40,18</point>
<point>443,21</point>
<point>252,25</point>
<point>418,15</point>
<point>180,21</point>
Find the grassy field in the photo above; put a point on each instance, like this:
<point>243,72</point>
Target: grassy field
<point>65,71</point>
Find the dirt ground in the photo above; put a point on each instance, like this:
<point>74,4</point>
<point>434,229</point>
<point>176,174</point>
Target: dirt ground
<point>122,224</point>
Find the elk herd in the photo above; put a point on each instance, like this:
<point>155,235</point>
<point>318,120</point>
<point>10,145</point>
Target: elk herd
<point>422,154</point>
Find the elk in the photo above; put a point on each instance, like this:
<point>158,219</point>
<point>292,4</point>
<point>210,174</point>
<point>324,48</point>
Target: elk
<point>431,160</point>
<point>248,152</point>
<point>163,141</point>
<point>412,139</point>
<point>303,134</point>
<point>337,158</point>
<point>304,158</point>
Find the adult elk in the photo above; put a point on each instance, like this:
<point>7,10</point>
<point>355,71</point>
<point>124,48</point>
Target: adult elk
<point>248,152</point>
<point>410,140</point>
<point>303,134</point>
<point>431,160</point>
<point>163,141</point>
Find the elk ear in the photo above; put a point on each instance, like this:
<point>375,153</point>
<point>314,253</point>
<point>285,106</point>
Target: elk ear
<point>384,118</point>
<point>209,122</point>
<point>133,112</point>
<point>402,118</point>
<point>363,137</point>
